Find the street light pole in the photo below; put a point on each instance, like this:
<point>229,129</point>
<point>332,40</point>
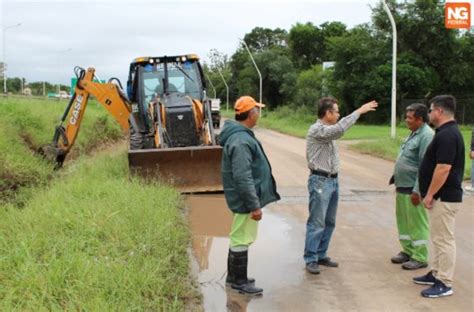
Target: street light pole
<point>258,71</point>
<point>226,86</point>
<point>59,56</point>
<point>212,85</point>
<point>4,32</point>
<point>394,71</point>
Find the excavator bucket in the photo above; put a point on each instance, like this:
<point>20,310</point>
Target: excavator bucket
<point>194,169</point>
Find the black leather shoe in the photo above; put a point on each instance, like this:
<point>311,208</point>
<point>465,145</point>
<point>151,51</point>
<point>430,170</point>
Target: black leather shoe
<point>313,268</point>
<point>328,262</point>
<point>400,258</point>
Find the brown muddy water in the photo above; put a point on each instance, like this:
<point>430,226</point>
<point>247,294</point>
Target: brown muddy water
<point>210,221</point>
<point>364,241</point>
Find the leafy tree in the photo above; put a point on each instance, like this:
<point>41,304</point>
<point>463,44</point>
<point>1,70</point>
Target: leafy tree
<point>278,76</point>
<point>422,35</point>
<point>461,72</point>
<point>431,58</point>
<point>309,44</point>
<point>218,60</point>
<point>238,62</point>
<point>37,88</point>
<point>331,30</point>
<point>309,86</point>
<point>356,54</point>
<point>269,49</point>
<point>213,75</point>
<point>306,42</point>
<point>260,39</point>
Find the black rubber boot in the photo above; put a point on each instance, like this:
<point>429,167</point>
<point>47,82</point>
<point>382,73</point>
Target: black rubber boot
<point>238,263</point>
<point>230,274</point>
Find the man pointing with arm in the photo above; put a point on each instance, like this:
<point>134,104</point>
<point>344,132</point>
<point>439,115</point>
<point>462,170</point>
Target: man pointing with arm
<point>323,186</point>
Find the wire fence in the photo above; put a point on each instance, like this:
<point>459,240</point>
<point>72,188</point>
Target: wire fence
<point>464,108</point>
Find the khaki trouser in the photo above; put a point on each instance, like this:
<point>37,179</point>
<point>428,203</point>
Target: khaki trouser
<point>442,220</point>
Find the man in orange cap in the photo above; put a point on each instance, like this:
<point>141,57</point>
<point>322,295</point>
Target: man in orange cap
<point>248,187</point>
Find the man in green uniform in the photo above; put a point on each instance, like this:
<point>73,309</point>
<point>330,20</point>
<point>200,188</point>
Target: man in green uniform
<point>412,219</point>
<point>248,187</point>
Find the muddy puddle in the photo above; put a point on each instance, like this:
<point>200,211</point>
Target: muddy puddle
<point>364,241</point>
<point>210,222</point>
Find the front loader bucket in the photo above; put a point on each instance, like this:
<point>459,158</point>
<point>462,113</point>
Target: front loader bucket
<point>195,169</point>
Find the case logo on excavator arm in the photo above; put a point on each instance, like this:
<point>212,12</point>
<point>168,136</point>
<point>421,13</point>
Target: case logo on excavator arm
<point>76,110</point>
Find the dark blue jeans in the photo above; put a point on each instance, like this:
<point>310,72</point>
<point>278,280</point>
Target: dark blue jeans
<point>323,198</point>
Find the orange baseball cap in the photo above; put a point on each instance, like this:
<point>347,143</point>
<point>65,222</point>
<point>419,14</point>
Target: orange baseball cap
<point>246,103</point>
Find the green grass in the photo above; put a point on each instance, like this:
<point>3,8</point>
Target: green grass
<point>96,240</point>
<point>388,148</point>
<point>86,237</point>
<point>296,122</point>
<point>376,138</point>
<point>25,125</point>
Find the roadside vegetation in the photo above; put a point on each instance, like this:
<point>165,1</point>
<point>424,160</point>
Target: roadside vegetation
<point>301,64</point>
<point>89,236</point>
<point>387,148</point>
<point>306,61</point>
<point>25,125</point>
<point>373,140</point>
<point>95,240</point>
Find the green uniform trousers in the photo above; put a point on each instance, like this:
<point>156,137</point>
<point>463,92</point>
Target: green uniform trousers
<point>413,228</point>
<point>243,232</point>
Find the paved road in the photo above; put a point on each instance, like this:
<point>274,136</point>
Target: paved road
<point>364,240</point>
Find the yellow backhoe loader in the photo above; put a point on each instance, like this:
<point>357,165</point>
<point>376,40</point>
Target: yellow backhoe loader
<point>168,117</point>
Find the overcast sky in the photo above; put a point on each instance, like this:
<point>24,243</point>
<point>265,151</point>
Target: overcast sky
<point>55,36</point>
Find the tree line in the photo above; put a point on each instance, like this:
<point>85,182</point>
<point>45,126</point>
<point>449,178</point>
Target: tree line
<point>431,60</point>
<point>15,85</point>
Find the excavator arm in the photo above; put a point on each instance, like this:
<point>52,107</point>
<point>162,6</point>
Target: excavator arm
<point>108,94</point>
<point>171,137</point>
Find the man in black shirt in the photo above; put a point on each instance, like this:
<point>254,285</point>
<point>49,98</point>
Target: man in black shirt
<point>440,178</point>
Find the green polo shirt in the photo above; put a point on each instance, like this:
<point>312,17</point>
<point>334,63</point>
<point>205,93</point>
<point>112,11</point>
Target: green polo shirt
<point>410,157</point>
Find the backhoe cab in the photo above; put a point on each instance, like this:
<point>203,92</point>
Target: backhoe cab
<point>175,137</point>
<point>167,114</point>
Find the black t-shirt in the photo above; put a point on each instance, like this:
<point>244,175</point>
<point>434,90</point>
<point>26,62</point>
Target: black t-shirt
<point>447,148</point>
